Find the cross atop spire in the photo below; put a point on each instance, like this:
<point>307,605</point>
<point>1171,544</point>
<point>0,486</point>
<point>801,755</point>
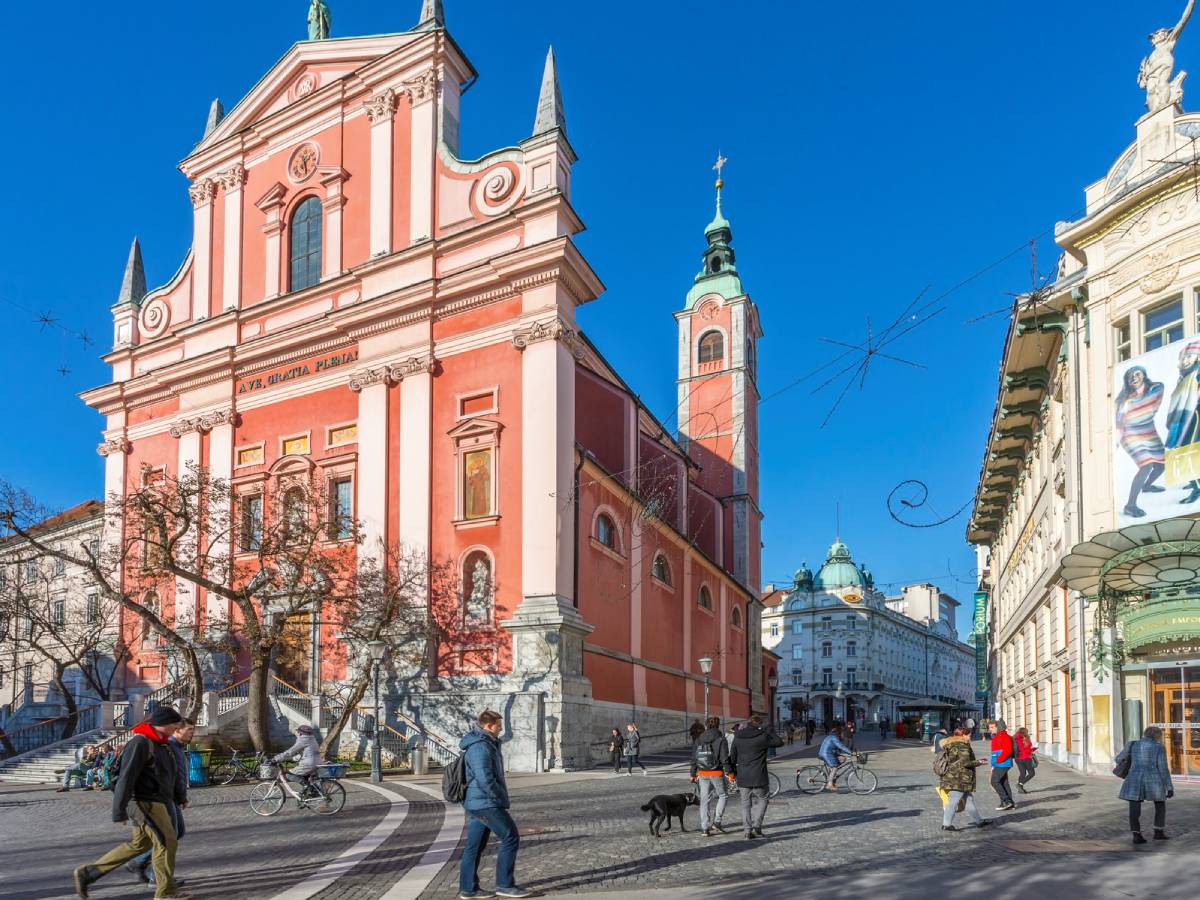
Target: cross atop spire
<point>432,16</point>
<point>133,285</point>
<point>719,221</point>
<point>550,113</point>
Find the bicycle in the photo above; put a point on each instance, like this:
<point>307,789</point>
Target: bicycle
<point>237,768</point>
<point>322,793</point>
<point>774,786</point>
<point>858,778</point>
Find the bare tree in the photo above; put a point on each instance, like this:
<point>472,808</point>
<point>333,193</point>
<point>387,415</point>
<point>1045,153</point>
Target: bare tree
<point>21,516</point>
<point>392,605</point>
<point>67,624</point>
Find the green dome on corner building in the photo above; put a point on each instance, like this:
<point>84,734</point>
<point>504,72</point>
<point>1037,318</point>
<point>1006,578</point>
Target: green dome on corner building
<point>838,571</point>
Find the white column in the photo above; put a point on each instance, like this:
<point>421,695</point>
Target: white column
<point>547,451</point>
<point>114,451</point>
<point>271,203</point>
<point>231,286</point>
<point>416,397</point>
<point>189,456</point>
<point>422,92</point>
<point>332,177</point>
<point>371,484</point>
<point>381,110</point>
<point>220,467</point>
<point>202,192</point>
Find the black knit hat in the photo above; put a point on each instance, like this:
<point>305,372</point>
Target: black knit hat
<point>164,715</point>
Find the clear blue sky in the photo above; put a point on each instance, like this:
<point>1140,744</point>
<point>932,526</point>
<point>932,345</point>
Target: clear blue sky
<point>874,149</point>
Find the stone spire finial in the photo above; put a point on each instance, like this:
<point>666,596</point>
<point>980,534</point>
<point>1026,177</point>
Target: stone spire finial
<point>550,113</point>
<point>133,285</point>
<point>216,113</point>
<point>432,16</point>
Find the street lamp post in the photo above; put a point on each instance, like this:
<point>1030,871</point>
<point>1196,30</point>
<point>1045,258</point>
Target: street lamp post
<point>705,667</point>
<point>840,693</point>
<point>376,649</point>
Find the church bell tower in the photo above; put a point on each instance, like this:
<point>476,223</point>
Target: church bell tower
<point>718,394</point>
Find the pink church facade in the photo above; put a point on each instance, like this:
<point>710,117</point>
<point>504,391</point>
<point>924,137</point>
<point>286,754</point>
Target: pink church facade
<point>361,305</point>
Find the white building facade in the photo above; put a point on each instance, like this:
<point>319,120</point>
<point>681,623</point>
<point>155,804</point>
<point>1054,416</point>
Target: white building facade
<point>848,651</point>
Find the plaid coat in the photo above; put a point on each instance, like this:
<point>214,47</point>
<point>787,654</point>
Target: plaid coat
<point>1149,778</point>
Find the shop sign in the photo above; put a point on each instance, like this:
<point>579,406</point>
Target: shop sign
<point>980,612</point>
<point>1162,621</point>
<point>981,667</point>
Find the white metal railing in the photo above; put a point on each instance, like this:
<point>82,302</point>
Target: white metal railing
<point>233,696</point>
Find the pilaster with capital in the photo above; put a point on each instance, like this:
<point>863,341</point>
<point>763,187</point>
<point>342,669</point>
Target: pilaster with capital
<point>332,179</point>
<point>422,92</point>
<point>381,110</point>
<point>202,192</point>
<point>232,181</point>
<point>550,330</point>
<point>271,205</point>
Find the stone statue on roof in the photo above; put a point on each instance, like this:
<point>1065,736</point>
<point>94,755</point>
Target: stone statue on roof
<point>319,20</point>
<point>1154,76</point>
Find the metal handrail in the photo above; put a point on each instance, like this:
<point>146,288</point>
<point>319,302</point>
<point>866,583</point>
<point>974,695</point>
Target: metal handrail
<point>233,696</point>
<point>296,699</point>
<point>39,734</point>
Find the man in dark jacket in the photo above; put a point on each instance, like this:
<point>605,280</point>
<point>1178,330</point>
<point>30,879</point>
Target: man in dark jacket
<point>148,780</point>
<point>486,806</point>
<point>710,763</point>
<point>748,762</point>
<point>178,743</point>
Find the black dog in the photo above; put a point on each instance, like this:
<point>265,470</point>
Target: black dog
<point>664,806</point>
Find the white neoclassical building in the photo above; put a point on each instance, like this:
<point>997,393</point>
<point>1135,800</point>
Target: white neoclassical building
<point>848,650</point>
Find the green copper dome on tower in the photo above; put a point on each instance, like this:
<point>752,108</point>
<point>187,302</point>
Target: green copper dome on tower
<point>718,275</point>
<point>839,570</point>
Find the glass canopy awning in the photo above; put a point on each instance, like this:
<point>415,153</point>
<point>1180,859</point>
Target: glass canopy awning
<point>1138,559</point>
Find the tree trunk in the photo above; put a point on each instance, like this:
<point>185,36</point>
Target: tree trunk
<point>257,718</point>
<point>356,695</point>
<point>68,701</point>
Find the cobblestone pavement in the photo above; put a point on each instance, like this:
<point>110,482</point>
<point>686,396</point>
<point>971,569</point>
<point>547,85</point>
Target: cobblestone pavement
<point>584,833</point>
<point>1069,835</point>
<point>228,851</point>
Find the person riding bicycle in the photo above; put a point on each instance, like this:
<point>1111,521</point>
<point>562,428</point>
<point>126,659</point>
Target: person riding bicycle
<point>830,754</point>
<point>309,751</point>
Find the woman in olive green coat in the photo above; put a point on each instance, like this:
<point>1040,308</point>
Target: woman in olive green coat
<point>959,780</point>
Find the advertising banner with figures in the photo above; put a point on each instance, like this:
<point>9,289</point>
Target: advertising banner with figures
<point>1156,427</point>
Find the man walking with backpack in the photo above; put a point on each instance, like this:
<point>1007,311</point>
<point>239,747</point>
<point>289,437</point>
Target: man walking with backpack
<point>178,743</point>
<point>710,763</point>
<point>748,762</point>
<point>147,780</point>
<point>485,801</point>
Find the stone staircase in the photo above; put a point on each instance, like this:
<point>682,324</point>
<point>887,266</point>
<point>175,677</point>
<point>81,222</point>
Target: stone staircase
<point>38,766</point>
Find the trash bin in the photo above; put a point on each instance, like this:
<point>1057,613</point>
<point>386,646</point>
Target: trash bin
<point>418,759</point>
<point>198,767</point>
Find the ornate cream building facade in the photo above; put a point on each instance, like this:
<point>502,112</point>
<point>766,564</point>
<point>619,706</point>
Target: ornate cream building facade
<point>1086,509</point>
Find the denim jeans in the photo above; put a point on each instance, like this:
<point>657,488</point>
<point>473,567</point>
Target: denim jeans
<point>753,812</point>
<point>951,808</point>
<point>78,772</point>
<point>481,824</point>
<point>710,785</point>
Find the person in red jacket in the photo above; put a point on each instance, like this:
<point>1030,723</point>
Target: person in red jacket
<point>1026,762</point>
<point>1003,751</point>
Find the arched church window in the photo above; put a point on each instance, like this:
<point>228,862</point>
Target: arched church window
<point>712,347</point>
<point>661,570</point>
<point>705,598</point>
<point>305,244</point>
<point>714,264</point>
<point>477,589</point>
<point>735,618</point>
<point>606,531</point>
